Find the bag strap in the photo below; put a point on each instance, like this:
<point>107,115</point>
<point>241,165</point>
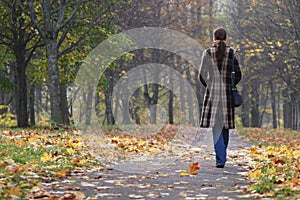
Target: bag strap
<point>233,72</point>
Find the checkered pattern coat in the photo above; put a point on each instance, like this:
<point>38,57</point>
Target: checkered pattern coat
<point>218,109</point>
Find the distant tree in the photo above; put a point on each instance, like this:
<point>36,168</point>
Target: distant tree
<point>20,40</point>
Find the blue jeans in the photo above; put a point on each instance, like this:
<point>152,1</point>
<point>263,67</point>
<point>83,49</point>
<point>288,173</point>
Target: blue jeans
<point>221,139</point>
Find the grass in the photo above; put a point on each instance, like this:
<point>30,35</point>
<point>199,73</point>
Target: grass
<point>267,137</point>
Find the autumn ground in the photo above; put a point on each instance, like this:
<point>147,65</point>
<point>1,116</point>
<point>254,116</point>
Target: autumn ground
<point>163,164</point>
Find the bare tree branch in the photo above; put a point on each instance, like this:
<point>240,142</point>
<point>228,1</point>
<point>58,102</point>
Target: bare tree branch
<point>32,14</point>
<point>61,24</point>
<point>32,50</point>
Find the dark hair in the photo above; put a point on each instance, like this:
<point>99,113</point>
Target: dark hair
<point>220,36</point>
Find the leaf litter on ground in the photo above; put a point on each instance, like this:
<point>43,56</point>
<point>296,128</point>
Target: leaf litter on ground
<point>274,163</point>
<point>30,157</point>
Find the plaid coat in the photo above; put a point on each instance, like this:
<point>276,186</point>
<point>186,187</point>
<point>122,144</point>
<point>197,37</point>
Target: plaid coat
<point>218,109</point>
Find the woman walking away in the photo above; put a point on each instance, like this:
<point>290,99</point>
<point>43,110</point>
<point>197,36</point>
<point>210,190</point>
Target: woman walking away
<point>216,75</point>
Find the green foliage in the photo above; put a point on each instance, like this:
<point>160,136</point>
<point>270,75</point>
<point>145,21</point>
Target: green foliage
<point>6,85</point>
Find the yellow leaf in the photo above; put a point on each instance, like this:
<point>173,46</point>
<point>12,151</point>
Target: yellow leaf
<point>31,139</point>
<point>183,173</point>
<point>162,175</point>
<point>254,175</point>
<point>46,157</point>
<point>71,151</point>
<point>272,171</point>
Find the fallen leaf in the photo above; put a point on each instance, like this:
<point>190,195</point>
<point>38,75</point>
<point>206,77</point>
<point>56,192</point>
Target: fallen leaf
<point>46,157</point>
<point>194,168</point>
<point>162,175</point>
<point>183,173</point>
<point>76,160</point>
<point>61,174</point>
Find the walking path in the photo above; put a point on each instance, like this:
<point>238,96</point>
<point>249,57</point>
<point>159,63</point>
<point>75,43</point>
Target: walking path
<point>160,178</point>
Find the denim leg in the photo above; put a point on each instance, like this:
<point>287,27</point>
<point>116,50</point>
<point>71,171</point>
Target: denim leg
<point>225,133</point>
<point>220,144</point>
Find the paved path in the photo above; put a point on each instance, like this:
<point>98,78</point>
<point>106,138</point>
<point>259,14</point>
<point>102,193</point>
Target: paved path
<point>130,180</point>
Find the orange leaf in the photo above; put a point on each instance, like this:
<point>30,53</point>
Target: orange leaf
<point>76,160</point>
<point>194,168</point>
<point>61,174</point>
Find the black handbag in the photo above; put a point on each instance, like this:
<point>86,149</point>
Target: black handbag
<point>236,95</point>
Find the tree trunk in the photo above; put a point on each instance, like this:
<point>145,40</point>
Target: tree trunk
<point>89,106</point>
<point>291,115</point>
<point>296,116</point>
<point>38,98</point>
<point>108,95</point>
<point>154,103</point>
<point>278,109</point>
<point>97,105</point>
<point>295,110</point>
<point>190,100</point>
<point>21,94</point>
<point>245,108</point>
<point>108,108</point>
<point>273,104</point>
<point>171,100</point>
<point>54,81</point>
<point>182,103</point>
<point>64,106</point>
<point>21,78</point>
<point>136,106</point>
<point>154,98</point>
<point>286,110</point>
<point>125,110</point>
<point>31,105</point>
<point>117,104</point>
<point>255,105</point>
<point>263,104</point>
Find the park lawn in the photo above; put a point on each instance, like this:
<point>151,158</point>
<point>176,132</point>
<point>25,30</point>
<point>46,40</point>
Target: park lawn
<point>31,156</point>
<point>275,162</point>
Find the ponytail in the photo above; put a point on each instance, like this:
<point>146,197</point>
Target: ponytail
<point>220,37</point>
<point>220,51</point>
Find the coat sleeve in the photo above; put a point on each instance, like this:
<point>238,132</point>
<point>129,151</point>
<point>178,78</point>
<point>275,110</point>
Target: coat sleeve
<point>203,73</point>
<point>237,69</point>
